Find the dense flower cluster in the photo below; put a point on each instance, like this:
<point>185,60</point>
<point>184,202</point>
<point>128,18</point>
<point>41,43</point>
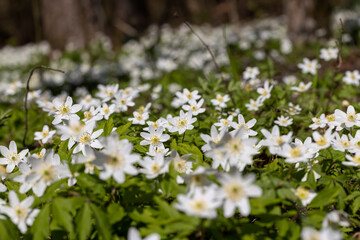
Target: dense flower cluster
<point>243,147</point>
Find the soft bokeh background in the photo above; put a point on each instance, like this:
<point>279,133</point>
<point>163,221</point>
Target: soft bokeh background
<point>64,22</point>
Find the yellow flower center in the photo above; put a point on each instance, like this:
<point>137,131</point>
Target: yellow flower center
<point>180,165</point>
<point>302,193</point>
<point>88,114</point>
<point>21,211</point>
<point>330,117</point>
<point>295,152</point>
<point>321,141</point>
<point>198,205</point>
<point>154,140</point>
<point>351,117</point>
<point>155,168</point>
<point>234,191</point>
<point>63,109</point>
<point>85,138</point>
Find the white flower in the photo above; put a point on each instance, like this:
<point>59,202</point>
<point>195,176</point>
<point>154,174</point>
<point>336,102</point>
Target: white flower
<point>274,140</point>
<point>88,101</point>
<point>302,87</point>
<point>220,100</point>
<point>236,189</point>
<point>309,66</point>
<point>323,141</point>
<point>74,130</point>
<point>202,203</point>
<point>92,114</point>
<point>318,122</point>
<point>139,118</point>
<point>122,101</point>
<point>293,110</point>
<point>328,53</point>
<point>238,148</point>
<point>45,172</point>
<point>353,160</point>
<point>107,92</point>
<point>194,107</point>
<point>154,151</point>
<point>336,217</point>
<point>349,119</point>
<point>305,195</point>
<point>250,73</point>
<point>187,96</point>
<point>153,167</point>
<point>297,152</point>
<point>65,111</point>
<point>284,121</point>
<point>214,137</point>
<point>247,126</point>
<point>225,122</point>
<point>290,80</point>
<point>352,77</point>
<point>11,156</point>
<point>45,135</point>
<point>106,110</point>
<point>182,123</point>
<point>341,143</point>
<point>265,92</point>
<point>133,234</point>
<point>154,138</point>
<point>88,138</point>
<point>116,159</point>
<point>181,164</point>
<point>330,120</point>
<point>20,213</point>
<point>254,104</point>
<point>326,233</point>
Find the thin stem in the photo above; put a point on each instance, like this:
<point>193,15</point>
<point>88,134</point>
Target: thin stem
<point>26,95</point>
<point>218,69</point>
<point>183,137</point>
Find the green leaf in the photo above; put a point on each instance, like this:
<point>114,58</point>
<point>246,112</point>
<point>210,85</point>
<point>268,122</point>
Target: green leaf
<point>165,209</point>
<point>356,205</point>
<point>64,152</point>
<point>62,215</point>
<point>325,197</point>
<point>286,193</point>
<point>122,129</point>
<point>84,223</point>
<point>115,213</point>
<point>8,230</point>
<point>102,222</point>
<point>173,144</point>
<point>63,210</point>
<point>195,151</point>
<point>109,125</point>
<point>41,226</point>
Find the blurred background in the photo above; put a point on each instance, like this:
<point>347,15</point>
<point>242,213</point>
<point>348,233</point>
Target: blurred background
<point>64,22</point>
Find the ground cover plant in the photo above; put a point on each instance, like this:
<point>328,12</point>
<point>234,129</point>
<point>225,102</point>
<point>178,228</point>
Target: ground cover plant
<point>188,133</point>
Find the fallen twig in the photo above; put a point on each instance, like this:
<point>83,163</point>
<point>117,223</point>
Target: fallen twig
<point>26,95</point>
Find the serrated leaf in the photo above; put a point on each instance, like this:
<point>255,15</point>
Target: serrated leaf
<point>195,151</point>
<point>102,222</point>
<point>115,213</point>
<point>325,197</point>
<point>84,223</point>
<point>62,215</point>
<point>122,129</point>
<point>109,125</point>
<point>166,209</point>
<point>8,230</point>
<point>41,226</point>
<point>356,205</point>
